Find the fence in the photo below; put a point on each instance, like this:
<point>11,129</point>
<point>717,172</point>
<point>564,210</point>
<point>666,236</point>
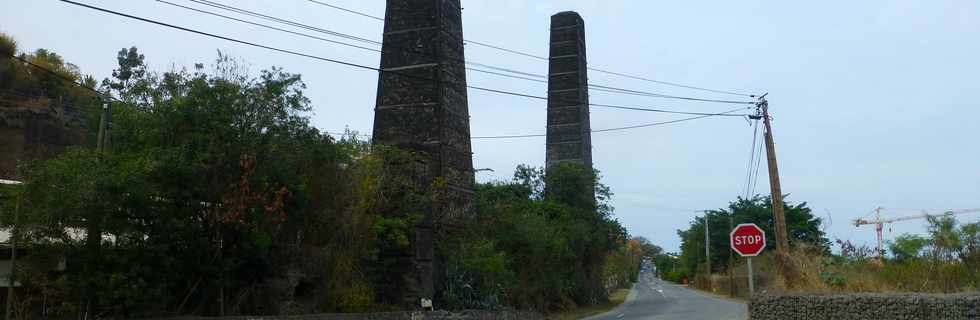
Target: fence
<point>865,306</point>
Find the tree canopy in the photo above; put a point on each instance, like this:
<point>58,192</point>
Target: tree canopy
<point>803,228</point>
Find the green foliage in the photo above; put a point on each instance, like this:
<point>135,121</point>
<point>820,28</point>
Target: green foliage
<point>907,247</point>
<point>543,241</point>
<point>946,242</point>
<point>215,184</point>
<point>19,79</point>
<point>648,248</point>
<point>970,252</point>
<point>670,266</point>
<point>916,264</point>
<point>802,226</point>
<point>833,279</point>
<point>8,46</point>
<point>214,181</point>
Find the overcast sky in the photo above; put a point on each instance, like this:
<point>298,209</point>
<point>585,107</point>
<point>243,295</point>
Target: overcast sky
<point>874,102</point>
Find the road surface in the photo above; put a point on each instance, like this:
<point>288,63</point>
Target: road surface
<point>655,299</point>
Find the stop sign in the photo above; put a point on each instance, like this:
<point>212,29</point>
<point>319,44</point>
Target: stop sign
<point>748,239</point>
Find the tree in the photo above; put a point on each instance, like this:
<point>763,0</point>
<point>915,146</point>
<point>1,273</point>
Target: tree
<point>907,247</point>
<point>648,248</point>
<point>946,241</point>
<point>545,240</point>
<point>23,80</point>
<point>970,253</point>
<point>803,228</point>
<point>207,189</point>
<point>217,196</point>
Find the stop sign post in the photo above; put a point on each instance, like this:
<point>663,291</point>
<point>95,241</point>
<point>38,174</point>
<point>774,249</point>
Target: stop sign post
<point>748,240</point>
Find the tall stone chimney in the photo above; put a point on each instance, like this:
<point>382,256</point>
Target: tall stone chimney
<point>569,136</point>
<point>421,107</point>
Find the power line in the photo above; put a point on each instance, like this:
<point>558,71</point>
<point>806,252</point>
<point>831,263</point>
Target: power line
<point>749,168</point>
<point>669,122</point>
<point>348,10</point>
<point>758,164</point>
<point>614,129</point>
<point>255,14</point>
<point>668,111</point>
<point>658,95</point>
<point>506,75</point>
<point>517,52</point>
<point>345,63</point>
<point>359,66</point>
<point>534,135</point>
<point>269,27</point>
<point>63,77</point>
<point>376,50</point>
<point>521,74</point>
<point>284,21</point>
<point>506,50</point>
<point>674,84</point>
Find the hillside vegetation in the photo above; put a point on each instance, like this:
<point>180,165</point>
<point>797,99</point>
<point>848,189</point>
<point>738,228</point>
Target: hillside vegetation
<point>218,196</point>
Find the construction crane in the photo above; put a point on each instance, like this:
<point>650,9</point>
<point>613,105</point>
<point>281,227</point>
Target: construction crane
<point>879,223</point>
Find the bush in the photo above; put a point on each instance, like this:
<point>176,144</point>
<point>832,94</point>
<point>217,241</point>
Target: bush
<point>535,247</point>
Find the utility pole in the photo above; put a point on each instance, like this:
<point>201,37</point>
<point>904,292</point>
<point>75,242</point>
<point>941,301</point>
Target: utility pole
<point>878,227</point>
<point>13,260</point>
<point>93,230</point>
<point>731,259</point>
<point>779,218</point>
<point>103,126</point>
<point>707,245</point>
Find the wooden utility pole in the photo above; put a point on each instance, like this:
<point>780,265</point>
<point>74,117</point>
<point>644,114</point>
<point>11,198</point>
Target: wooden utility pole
<point>93,230</point>
<point>779,218</point>
<point>731,259</point>
<point>707,244</point>
<point>13,259</point>
<point>103,127</point>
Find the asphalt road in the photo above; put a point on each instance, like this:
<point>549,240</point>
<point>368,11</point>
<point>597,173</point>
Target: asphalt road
<point>652,298</point>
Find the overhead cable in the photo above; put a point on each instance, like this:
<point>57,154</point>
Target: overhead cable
<point>522,75</point>
<point>522,53</point>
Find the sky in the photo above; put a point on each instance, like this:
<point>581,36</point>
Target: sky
<point>873,102</point>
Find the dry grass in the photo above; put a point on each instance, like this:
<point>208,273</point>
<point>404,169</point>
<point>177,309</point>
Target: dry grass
<point>816,273</point>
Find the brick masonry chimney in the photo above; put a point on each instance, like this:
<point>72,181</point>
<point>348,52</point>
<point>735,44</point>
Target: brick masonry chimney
<point>422,107</point>
<point>569,135</point>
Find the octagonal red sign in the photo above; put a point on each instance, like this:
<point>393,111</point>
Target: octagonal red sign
<point>748,239</point>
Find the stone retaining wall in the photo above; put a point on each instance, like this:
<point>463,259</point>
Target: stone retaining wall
<point>865,306</point>
<point>406,315</point>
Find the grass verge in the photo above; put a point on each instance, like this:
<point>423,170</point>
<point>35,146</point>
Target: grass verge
<point>721,294</point>
<point>615,299</point>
